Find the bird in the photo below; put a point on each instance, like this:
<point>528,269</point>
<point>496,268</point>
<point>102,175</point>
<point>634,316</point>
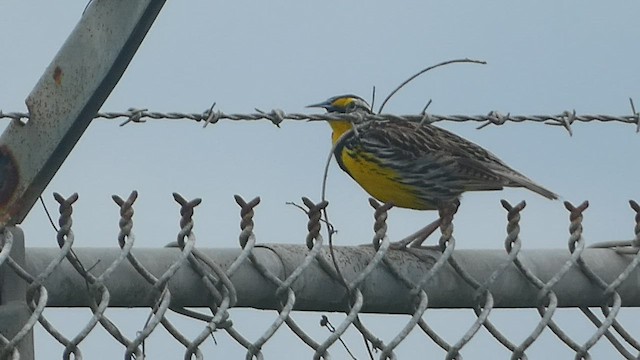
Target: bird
<point>415,165</point>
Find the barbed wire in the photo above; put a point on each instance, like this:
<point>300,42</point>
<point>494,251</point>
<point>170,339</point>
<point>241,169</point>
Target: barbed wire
<point>276,116</point>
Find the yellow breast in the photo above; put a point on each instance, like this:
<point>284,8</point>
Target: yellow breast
<point>339,128</point>
<point>380,182</point>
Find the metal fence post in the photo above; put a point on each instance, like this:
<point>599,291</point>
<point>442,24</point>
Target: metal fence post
<point>72,89</point>
<point>14,312</point>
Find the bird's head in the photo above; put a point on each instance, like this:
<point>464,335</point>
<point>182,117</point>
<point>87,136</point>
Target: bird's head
<point>343,104</point>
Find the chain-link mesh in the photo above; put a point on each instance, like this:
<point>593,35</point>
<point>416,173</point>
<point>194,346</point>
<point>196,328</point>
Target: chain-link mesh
<point>376,278</point>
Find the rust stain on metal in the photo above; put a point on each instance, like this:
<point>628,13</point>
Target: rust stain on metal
<point>8,175</point>
<point>57,75</point>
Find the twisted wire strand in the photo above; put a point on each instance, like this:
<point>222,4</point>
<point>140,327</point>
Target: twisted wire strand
<point>565,119</point>
<point>546,291</point>
<point>625,274</point>
<point>576,216</point>
<point>513,241</point>
<point>314,244</point>
<point>247,236</point>
<point>421,300</point>
<point>95,284</point>
<point>446,229</point>
<point>126,239</point>
<point>9,345</point>
<point>381,245</point>
<point>186,242</point>
<point>447,244</point>
<point>513,249</point>
<point>610,289</point>
<point>314,241</point>
<point>577,246</point>
<point>162,294</point>
<point>160,291</point>
<point>35,290</point>
<point>223,301</point>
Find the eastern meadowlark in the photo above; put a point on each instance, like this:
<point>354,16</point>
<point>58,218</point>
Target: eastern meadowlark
<point>416,166</point>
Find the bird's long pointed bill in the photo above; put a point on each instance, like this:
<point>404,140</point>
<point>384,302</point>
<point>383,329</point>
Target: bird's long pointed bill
<point>323,105</point>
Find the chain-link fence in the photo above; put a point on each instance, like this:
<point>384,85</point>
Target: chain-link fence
<point>373,278</point>
<point>378,278</point>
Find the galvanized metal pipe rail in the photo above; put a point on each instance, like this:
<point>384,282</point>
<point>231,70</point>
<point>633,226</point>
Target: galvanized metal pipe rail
<point>316,290</point>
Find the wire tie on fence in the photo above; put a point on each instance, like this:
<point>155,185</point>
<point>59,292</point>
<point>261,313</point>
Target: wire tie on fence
<point>134,115</point>
<point>635,115</point>
<point>210,116</point>
<point>495,118</point>
<point>276,116</point>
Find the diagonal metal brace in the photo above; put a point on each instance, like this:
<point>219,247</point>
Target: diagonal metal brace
<point>67,96</point>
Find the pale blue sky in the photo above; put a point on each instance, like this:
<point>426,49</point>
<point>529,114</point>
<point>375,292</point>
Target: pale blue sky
<point>543,57</point>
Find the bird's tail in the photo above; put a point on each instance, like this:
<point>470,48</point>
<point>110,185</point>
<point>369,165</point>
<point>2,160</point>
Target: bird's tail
<point>518,180</point>
<point>540,190</point>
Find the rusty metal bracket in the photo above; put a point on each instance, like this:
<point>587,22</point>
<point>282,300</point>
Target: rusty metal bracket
<point>67,96</point>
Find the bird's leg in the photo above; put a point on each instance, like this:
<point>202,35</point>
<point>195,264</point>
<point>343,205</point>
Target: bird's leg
<point>417,238</point>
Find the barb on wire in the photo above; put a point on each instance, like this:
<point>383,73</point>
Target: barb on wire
<point>565,120</point>
<point>211,117</point>
<point>494,118</point>
<point>635,114</point>
<point>426,117</point>
<point>276,116</point>
<point>135,115</point>
<point>373,97</point>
